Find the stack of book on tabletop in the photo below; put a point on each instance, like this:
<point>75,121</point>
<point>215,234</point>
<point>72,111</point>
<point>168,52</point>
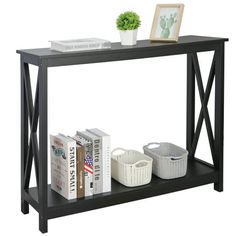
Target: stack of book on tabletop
<point>79,44</point>
<point>80,165</point>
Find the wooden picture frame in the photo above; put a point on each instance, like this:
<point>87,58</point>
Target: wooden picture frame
<point>166,22</point>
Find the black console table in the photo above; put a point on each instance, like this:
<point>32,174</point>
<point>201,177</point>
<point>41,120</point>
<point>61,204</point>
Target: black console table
<point>48,203</point>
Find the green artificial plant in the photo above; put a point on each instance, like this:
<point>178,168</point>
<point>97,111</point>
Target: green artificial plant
<point>128,21</point>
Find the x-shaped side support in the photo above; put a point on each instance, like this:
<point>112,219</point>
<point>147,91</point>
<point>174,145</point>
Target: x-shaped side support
<point>204,114</point>
<point>33,113</point>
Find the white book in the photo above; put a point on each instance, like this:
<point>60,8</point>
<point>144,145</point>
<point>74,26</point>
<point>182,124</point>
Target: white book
<point>97,160</point>
<point>106,158</point>
<point>63,166</point>
<point>79,44</point>
<point>88,164</point>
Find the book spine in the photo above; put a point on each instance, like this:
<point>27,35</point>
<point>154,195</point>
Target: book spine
<point>57,47</point>
<point>88,169</point>
<point>79,46</point>
<point>72,176</point>
<point>59,177</point>
<point>106,154</point>
<point>80,152</point>
<point>97,157</point>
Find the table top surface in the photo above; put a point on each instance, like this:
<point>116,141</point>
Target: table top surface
<point>141,45</point>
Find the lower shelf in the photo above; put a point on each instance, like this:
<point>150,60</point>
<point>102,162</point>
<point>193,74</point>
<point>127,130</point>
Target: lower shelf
<point>198,173</point>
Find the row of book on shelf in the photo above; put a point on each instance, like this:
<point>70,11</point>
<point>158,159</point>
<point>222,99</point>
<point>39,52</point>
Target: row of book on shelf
<point>80,165</point>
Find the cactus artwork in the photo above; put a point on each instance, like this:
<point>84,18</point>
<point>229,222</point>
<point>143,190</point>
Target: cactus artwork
<point>166,23</point>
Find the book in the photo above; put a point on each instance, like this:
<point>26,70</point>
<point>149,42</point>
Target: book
<point>88,164</point>
<point>63,166</point>
<point>80,155</point>
<point>97,160</point>
<point>106,158</point>
<point>79,44</point>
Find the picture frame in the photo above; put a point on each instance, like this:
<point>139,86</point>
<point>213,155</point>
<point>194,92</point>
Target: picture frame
<point>166,22</point>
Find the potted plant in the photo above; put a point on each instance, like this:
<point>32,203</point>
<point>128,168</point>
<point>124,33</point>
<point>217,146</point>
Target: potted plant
<point>127,23</point>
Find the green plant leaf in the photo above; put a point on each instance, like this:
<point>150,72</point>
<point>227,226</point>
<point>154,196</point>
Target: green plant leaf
<point>128,21</point>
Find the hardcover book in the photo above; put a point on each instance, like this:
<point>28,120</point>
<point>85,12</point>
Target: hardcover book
<point>106,158</point>
<point>63,166</point>
<point>88,164</point>
<point>79,44</point>
<point>97,160</point>
<point>80,154</point>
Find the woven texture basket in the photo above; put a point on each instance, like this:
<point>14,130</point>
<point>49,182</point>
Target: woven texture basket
<point>131,168</point>
<point>169,160</point>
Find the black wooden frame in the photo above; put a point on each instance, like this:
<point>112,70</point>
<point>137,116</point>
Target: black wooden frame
<point>34,117</point>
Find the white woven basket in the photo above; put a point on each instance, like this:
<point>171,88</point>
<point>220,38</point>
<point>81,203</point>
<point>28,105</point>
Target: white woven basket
<point>131,168</point>
<point>169,160</point>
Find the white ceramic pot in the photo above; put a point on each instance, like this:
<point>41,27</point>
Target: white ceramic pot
<point>128,37</point>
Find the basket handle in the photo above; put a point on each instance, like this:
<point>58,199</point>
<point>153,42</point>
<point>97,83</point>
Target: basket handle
<point>176,158</point>
<point>153,143</point>
<point>118,149</point>
<point>137,164</point>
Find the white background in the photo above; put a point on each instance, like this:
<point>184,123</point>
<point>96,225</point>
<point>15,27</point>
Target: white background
<point>135,101</point>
